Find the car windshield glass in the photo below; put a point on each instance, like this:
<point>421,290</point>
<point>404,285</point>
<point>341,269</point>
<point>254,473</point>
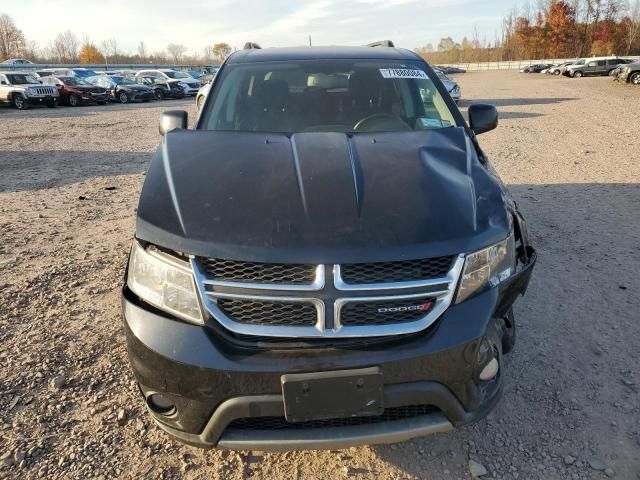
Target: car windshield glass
<point>177,75</point>
<point>123,80</point>
<point>84,73</point>
<point>327,96</point>
<point>22,79</point>
<point>74,81</point>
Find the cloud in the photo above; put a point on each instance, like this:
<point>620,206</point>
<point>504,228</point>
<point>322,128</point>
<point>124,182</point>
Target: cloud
<point>197,23</point>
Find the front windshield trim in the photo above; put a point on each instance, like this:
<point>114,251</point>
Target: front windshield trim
<point>446,113</point>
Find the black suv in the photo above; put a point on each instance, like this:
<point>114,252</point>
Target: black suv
<point>328,259</point>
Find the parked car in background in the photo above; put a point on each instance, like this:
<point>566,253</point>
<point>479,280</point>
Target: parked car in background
<point>593,67</point>
<point>557,69</point>
<point>629,73</point>
<point>123,89</point>
<point>189,84</point>
<point>452,87</point>
<point>537,68</point>
<point>23,90</point>
<point>67,72</point>
<point>163,89</point>
<point>451,70</point>
<point>201,96</point>
<point>16,61</point>
<point>76,91</point>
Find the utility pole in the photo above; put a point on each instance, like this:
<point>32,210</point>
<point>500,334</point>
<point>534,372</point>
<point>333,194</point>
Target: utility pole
<point>309,40</point>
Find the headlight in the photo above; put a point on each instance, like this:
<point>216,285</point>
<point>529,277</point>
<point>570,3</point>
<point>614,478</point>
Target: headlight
<point>487,268</point>
<point>164,282</point>
<point>27,92</point>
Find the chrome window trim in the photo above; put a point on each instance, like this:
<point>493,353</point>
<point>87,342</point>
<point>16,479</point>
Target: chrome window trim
<point>317,284</point>
<point>443,296</point>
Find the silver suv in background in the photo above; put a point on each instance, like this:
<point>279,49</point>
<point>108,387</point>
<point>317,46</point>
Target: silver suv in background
<point>23,89</point>
<point>189,85</point>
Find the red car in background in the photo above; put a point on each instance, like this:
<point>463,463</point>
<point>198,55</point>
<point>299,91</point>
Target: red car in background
<point>75,91</point>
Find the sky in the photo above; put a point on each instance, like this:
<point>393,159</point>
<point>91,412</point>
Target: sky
<point>198,23</point>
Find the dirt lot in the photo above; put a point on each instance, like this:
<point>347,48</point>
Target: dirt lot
<point>69,181</point>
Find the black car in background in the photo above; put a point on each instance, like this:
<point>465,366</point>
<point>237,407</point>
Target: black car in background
<point>450,70</point>
<point>162,89</point>
<point>123,89</point>
<point>537,68</point>
<point>328,259</point>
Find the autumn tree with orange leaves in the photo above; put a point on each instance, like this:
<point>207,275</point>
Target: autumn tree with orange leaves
<point>89,54</point>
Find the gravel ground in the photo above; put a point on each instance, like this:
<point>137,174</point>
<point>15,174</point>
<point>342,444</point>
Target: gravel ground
<point>69,181</point>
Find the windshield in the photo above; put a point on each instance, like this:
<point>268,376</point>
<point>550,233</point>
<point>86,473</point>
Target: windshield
<point>326,96</point>
<point>84,73</point>
<point>22,79</point>
<point>74,81</point>
<point>177,75</point>
<point>122,80</point>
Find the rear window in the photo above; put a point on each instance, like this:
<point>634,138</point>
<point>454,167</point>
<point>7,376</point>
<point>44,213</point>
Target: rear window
<point>326,96</point>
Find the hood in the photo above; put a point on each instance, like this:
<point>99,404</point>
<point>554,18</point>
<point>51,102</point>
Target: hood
<point>321,197</point>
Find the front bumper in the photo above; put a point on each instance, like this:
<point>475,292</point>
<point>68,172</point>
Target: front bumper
<point>95,98</point>
<point>191,91</point>
<point>41,100</point>
<point>213,383</point>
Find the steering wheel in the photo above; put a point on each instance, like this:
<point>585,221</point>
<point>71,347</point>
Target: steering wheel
<point>375,121</point>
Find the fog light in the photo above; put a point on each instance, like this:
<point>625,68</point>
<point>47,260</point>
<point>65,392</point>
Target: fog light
<point>161,405</point>
<point>490,370</point>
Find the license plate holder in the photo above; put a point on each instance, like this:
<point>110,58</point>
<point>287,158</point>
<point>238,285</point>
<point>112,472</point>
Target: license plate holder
<point>333,394</point>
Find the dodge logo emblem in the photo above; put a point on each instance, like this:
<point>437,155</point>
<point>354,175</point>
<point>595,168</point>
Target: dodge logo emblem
<point>406,308</point>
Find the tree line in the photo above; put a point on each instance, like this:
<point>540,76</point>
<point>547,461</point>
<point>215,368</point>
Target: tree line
<point>68,47</point>
<point>551,29</point>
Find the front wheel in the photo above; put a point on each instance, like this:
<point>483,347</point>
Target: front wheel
<point>577,74</point>
<point>20,102</point>
<point>123,97</point>
<point>556,72</point>
<point>635,78</point>
<point>159,94</point>
<point>74,100</point>
<point>51,104</point>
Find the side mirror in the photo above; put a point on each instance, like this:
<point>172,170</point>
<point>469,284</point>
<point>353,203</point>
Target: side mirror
<point>172,119</point>
<point>482,117</point>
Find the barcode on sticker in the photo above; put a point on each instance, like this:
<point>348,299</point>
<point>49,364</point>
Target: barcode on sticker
<point>402,73</point>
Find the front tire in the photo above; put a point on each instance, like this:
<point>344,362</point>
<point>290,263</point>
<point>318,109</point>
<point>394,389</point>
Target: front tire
<point>123,97</point>
<point>159,94</point>
<point>74,100</point>
<point>577,74</point>
<point>635,78</point>
<point>20,102</point>
<point>51,104</point>
<point>556,72</point>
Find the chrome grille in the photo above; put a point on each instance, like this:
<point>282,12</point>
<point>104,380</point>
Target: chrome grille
<point>292,300</point>
<point>254,312</point>
<point>385,272</point>
<point>273,273</point>
<point>41,90</point>
<point>384,312</point>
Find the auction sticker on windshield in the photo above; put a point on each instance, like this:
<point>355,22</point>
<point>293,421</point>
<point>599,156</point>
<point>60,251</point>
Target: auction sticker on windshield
<point>402,73</point>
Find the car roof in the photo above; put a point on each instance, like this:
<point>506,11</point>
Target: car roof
<point>318,53</point>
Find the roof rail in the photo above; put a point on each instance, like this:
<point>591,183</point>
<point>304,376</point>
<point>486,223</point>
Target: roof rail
<point>381,43</point>
<point>252,46</point>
